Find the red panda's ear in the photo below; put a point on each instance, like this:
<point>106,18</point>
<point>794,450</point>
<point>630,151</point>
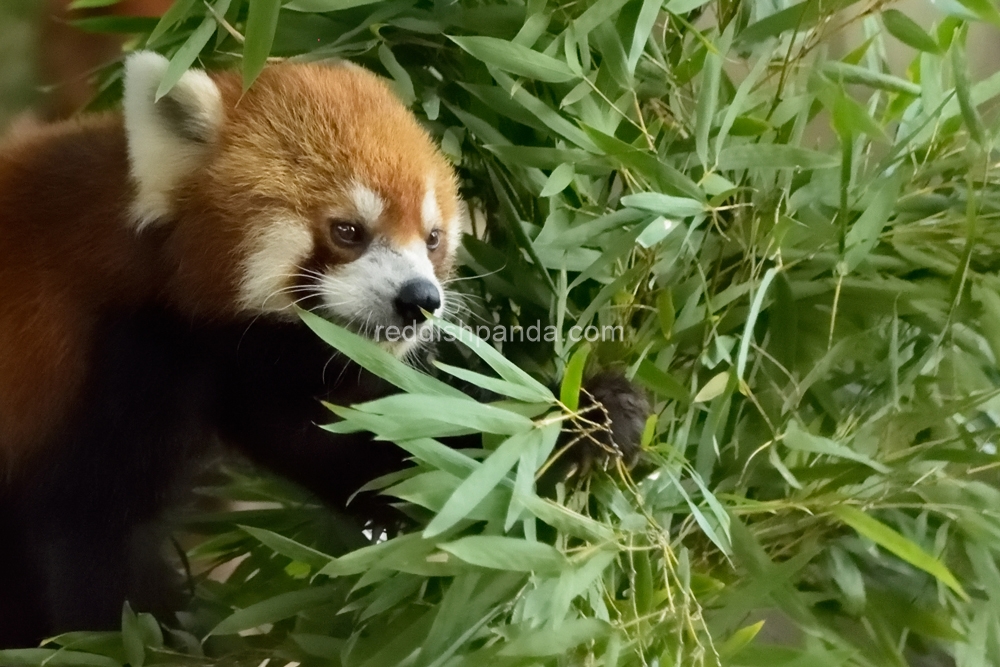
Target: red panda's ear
<point>170,137</point>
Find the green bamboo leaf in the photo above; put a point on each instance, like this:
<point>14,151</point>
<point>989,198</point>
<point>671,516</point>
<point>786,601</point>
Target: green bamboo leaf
<point>732,118</point>
<point>774,156</point>
<point>740,639</point>
<point>543,157</point>
<point>661,382</point>
<point>970,114</point>
<point>135,648</point>
<point>984,9</point>
<point>848,73</point>
<point>464,412</point>
<point>543,112</point>
<point>496,385</point>
<point>722,541</point>
<point>708,97</point>
<point>561,177</point>
<point>177,11</point>
<point>288,547</point>
<point>751,322</point>
<point>507,553</point>
<point>504,368</point>
<point>188,53</point>
<point>863,235</point>
<point>533,28</point>
<point>277,608</point>
<point>541,642</point>
<point>850,119</point>
<point>33,657</point>
<point>666,312</point>
<point>91,4</point>
<point>404,84</point>
<point>714,387</point>
<point>393,427</point>
<point>667,205</point>
<point>369,355</point>
<point>799,17</point>
<point>644,25</point>
<point>323,6</point>
<point>667,177</point>
<point>596,14</point>
<point>569,390</point>
<point>567,521</point>
<point>684,6</point>
<point>515,58</point>
<point>797,438</point>
<point>656,231</point>
<point>483,480</point>
<point>262,21</point>
<point>433,489</point>
<point>366,558</point>
<point>893,542</point>
<point>906,30</point>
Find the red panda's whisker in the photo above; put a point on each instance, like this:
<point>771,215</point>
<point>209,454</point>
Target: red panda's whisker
<point>475,277</point>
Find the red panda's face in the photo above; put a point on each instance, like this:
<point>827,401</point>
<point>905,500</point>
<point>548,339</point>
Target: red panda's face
<point>316,188</point>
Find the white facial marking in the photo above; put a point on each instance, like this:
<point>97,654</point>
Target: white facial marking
<point>158,156</point>
<point>368,204</point>
<point>362,294</point>
<point>430,212</point>
<point>272,260</point>
<point>455,228</point>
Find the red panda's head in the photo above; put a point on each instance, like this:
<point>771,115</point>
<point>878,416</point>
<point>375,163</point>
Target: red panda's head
<point>315,187</point>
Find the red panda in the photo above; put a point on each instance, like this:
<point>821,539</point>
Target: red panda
<point>149,265</point>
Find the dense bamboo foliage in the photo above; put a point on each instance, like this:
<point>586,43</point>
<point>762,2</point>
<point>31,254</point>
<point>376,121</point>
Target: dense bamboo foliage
<point>800,249</point>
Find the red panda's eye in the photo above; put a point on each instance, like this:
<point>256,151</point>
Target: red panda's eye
<point>434,239</point>
<point>347,233</point>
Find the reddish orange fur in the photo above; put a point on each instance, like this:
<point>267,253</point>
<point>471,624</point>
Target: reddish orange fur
<point>65,255</point>
<point>70,252</point>
<point>391,154</point>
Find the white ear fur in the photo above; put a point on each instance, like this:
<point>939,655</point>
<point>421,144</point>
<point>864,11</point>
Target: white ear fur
<point>167,138</point>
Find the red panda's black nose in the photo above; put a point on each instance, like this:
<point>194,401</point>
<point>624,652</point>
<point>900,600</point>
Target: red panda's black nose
<point>415,295</point>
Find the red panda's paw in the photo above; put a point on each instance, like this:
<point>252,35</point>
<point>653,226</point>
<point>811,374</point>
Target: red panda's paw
<point>613,413</point>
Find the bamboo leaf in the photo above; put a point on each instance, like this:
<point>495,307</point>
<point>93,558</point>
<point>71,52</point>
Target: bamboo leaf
<point>516,58</point>
<point>369,355</point>
<point>277,608</point>
<point>906,30</point>
<point>178,10</point>
<point>569,391</point>
<point>774,156</point>
<point>188,53</point>
<point>679,207</point>
<point>796,438</point>
<point>497,362</point>
<point>893,542</point>
<point>483,480</point>
<point>740,639</point>
<point>464,412</point>
<point>262,21</point>
<point>863,235</point>
<point>290,548</point>
<point>322,6</point>
<point>90,4</point>
<point>32,657</point>
<point>560,178</point>
<point>506,553</point>
<point>848,73</point>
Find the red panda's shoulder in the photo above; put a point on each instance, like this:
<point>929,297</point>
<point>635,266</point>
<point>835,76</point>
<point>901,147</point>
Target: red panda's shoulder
<point>66,255</point>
